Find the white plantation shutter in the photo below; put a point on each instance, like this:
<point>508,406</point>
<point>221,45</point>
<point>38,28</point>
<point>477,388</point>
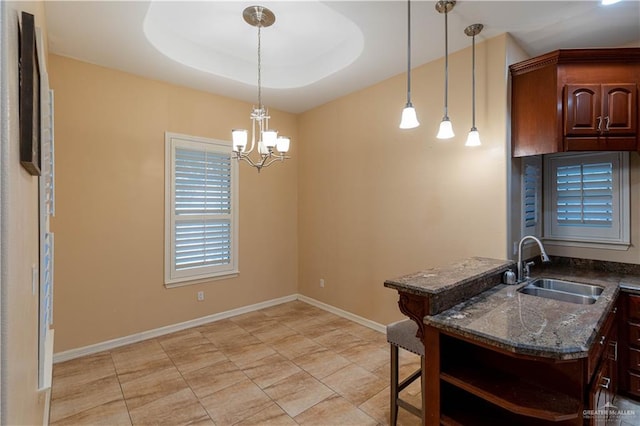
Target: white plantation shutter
<point>531,196</point>
<point>585,194</point>
<point>587,198</point>
<point>202,208</point>
<point>201,243</point>
<point>202,213</point>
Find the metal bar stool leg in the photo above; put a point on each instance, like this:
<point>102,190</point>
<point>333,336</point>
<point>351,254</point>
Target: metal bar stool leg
<point>394,386</point>
<point>403,334</point>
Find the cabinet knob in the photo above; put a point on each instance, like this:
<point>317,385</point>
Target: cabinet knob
<point>606,381</point>
<point>602,339</point>
<point>606,123</point>
<point>599,123</point>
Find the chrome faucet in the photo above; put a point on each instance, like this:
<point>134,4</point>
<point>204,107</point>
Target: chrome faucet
<point>523,266</point>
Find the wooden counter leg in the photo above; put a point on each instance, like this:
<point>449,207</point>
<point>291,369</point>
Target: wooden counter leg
<point>431,377</point>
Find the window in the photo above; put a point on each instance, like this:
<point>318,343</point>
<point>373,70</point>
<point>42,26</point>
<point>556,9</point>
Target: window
<point>200,210</point>
<point>531,196</point>
<point>587,199</point>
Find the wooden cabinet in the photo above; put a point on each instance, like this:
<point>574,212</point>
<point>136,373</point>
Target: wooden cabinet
<point>482,385</point>
<point>576,100</point>
<point>604,386</point>
<point>600,117</point>
<point>630,346</point>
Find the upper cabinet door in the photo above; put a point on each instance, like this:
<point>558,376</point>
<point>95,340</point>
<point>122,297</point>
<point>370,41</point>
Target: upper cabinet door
<point>582,109</point>
<point>619,109</point>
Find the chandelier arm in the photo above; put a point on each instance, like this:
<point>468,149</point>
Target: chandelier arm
<point>248,160</point>
<point>273,160</point>
<point>253,136</point>
<point>263,161</point>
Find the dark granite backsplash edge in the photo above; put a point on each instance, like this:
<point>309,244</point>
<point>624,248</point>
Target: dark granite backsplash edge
<point>594,265</point>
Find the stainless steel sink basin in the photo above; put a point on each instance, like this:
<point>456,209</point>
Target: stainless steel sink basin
<point>567,286</point>
<point>565,291</point>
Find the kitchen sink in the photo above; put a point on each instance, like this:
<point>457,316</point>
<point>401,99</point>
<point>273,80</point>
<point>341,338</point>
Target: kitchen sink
<point>565,291</point>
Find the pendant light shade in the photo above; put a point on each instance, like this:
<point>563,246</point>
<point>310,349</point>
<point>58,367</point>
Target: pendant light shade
<point>473,139</point>
<point>446,128</point>
<point>409,118</point>
<point>445,131</point>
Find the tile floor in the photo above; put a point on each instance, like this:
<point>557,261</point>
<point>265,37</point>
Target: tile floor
<point>284,365</point>
<point>626,412</point>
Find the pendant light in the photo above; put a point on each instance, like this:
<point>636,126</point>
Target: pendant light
<point>473,139</point>
<point>409,119</point>
<point>446,129</point>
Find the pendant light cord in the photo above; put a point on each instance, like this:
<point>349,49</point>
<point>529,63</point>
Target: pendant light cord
<point>409,52</point>
<point>446,63</point>
<point>473,82</point>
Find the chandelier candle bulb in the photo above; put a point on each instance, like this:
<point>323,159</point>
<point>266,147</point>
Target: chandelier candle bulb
<point>282,144</point>
<point>262,149</point>
<point>239,137</point>
<point>269,138</point>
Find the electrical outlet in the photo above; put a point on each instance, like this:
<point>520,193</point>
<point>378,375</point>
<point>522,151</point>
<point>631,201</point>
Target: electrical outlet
<point>322,282</point>
<point>200,296</point>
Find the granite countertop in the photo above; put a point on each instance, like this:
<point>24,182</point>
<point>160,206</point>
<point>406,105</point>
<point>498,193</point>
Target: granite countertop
<point>445,286</point>
<point>445,278</point>
<point>531,325</point>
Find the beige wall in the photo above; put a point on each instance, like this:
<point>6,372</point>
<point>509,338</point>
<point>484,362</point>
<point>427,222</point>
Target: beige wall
<point>376,202</point>
<point>21,402</point>
<point>109,222</point>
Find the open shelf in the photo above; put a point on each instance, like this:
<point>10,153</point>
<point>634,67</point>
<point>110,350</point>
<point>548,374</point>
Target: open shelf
<point>462,408</point>
<point>513,394</point>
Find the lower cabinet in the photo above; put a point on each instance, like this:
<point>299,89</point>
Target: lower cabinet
<point>630,345</point>
<point>604,386</point>
<point>479,382</point>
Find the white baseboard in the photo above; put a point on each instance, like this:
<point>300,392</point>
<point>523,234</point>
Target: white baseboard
<point>345,314</point>
<point>149,334</point>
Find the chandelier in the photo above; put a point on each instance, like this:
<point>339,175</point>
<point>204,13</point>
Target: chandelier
<point>268,141</point>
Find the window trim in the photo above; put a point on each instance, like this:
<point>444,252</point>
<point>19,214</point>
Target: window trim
<point>173,278</point>
<point>622,239</point>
